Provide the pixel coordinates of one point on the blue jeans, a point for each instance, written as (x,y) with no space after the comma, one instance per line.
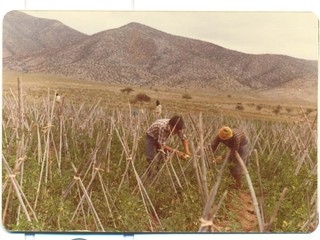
(152,146)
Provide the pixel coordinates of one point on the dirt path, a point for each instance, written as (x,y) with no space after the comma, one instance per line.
(241,216)
(247,217)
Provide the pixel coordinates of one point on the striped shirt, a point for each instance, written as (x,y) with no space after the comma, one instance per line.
(238,139)
(160,131)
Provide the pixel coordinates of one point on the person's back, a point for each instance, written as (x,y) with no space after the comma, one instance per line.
(159,129)
(58,98)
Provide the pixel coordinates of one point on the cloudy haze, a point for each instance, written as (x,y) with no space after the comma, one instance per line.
(294,34)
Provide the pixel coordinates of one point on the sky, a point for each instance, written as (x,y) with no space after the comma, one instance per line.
(289,33)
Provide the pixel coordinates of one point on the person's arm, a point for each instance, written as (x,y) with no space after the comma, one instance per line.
(170,149)
(186,146)
(215,144)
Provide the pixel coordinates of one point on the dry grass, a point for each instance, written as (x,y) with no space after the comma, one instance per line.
(254,106)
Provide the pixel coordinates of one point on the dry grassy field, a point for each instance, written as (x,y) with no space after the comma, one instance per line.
(80,165)
(253,105)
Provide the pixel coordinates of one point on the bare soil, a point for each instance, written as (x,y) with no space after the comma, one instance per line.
(241,214)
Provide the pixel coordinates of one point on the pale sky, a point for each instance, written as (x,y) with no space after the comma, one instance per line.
(290,33)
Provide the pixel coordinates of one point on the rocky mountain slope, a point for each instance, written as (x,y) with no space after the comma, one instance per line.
(24,35)
(139,55)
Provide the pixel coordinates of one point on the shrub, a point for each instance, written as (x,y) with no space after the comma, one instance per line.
(277,110)
(186,96)
(127,90)
(142,97)
(259,107)
(239,106)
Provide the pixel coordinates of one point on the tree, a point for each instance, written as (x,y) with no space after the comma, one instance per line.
(126,90)
(142,97)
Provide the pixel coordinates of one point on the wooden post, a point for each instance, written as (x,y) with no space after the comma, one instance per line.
(275,212)
(260,186)
(203,162)
(195,166)
(213,193)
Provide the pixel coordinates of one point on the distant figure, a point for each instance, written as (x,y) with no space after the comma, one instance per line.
(59,102)
(135,112)
(58,98)
(158,108)
(235,140)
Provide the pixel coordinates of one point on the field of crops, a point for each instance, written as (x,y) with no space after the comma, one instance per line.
(81,166)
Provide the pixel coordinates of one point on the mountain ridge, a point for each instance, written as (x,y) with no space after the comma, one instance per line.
(137,54)
(24,35)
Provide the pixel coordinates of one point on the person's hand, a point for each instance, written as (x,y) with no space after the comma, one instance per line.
(186,156)
(183,155)
(180,154)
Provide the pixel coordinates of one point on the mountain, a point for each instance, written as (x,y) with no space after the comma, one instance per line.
(24,35)
(140,55)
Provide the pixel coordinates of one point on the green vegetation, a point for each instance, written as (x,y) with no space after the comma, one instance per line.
(81,165)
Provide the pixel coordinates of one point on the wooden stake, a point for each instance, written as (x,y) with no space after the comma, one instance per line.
(213,194)
(260,186)
(275,212)
(253,195)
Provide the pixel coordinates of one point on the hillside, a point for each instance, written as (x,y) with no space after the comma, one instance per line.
(136,54)
(25,35)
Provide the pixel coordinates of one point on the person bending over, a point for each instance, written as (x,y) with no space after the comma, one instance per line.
(159,132)
(235,140)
